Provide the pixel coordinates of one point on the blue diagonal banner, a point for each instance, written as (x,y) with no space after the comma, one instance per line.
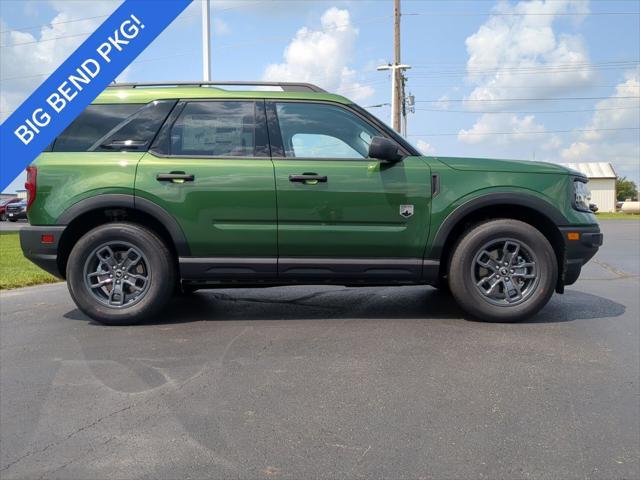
(80,79)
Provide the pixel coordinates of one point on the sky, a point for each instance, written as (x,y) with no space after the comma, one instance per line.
(554,80)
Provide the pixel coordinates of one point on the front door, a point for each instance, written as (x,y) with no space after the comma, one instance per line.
(210,169)
(341,213)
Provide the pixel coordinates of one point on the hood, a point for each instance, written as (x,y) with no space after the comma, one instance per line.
(495,165)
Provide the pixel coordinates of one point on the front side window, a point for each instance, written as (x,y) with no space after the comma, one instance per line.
(319,130)
(215,129)
(91,125)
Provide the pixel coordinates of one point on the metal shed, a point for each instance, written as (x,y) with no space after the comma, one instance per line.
(602,183)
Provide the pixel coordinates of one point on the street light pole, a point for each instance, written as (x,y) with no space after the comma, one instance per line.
(206,42)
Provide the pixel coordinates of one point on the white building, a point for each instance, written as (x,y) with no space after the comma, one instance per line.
(602,183)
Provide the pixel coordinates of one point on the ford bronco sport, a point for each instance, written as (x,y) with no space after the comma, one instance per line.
(158,189)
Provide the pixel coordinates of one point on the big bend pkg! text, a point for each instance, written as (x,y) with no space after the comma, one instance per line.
(83,75)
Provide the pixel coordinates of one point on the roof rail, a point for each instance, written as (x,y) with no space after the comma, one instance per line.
(286,86)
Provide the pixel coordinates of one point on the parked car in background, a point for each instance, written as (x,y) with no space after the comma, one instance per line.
(17,211)
(3,207)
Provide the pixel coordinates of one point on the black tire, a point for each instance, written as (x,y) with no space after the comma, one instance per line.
(154,274)
(13,220)
(3,218)
(500,297)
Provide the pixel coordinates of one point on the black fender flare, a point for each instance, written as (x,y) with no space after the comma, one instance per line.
(134,203)
(499,198)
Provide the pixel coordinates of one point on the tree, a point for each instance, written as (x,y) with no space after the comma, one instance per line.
(626,189)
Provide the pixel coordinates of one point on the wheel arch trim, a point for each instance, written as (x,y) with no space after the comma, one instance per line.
(134,203)
(496,198)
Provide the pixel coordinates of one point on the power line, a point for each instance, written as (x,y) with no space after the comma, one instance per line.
(521,72)
(219,47)
(510,87)
(35,27)
(547,99)
(524,133)
(539,67)
(521,112)
(515,14)
(508,112)
(223,46)
(20,29)
(135,62)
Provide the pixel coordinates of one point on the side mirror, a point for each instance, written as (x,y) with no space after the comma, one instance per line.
(384,149)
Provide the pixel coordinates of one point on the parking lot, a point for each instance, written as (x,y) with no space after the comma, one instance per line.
(328,382)
(13,226)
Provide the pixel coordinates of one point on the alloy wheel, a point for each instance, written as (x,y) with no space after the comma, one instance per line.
(505,272)
(117,274)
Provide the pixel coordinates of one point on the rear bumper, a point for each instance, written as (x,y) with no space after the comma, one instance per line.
(580,251)
(44,255)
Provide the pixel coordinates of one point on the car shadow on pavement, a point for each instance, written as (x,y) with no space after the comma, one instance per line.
(311,303)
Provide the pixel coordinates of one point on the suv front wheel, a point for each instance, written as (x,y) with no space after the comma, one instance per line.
(120,273)
(503,271)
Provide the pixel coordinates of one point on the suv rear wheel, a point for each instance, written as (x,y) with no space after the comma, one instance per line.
(503,271)
(120,273)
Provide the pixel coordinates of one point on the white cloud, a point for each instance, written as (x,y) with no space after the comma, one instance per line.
(577,152)
(522,56)
(515,128)
(25,66)
(442,103)
(617,111)
(220,27)
(425,148)
(523,53)
(620,147)
(322,57)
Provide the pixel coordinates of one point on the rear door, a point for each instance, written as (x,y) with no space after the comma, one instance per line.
(341,214)
(210,169)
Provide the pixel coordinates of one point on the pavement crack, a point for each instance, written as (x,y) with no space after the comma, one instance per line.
(67,437)
(610,268)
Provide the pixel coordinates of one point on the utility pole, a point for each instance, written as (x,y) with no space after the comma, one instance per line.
(397,77)
(397,73)
(206,42)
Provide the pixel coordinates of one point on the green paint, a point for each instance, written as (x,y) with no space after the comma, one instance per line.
(248,207)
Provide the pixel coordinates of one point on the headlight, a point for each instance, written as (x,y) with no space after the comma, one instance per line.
(581,195)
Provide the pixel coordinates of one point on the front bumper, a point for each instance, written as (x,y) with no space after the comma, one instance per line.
(44,255)
(16,215)
(578,250)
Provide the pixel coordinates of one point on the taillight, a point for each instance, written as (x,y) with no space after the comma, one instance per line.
(30,185)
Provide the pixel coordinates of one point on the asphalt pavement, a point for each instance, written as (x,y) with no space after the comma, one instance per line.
(13,226)
(328,382)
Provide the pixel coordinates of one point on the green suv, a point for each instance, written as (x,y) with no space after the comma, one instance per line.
(158,189)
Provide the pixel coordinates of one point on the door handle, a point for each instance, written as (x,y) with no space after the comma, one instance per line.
(175,177)
(309,178)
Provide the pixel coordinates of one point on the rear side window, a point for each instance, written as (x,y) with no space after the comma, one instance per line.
(216,129)
(136,132)
(92,124)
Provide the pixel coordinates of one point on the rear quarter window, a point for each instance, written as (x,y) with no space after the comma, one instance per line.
(91,125)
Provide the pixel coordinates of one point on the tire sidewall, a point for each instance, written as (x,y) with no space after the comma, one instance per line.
(463,284)
(160,266)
